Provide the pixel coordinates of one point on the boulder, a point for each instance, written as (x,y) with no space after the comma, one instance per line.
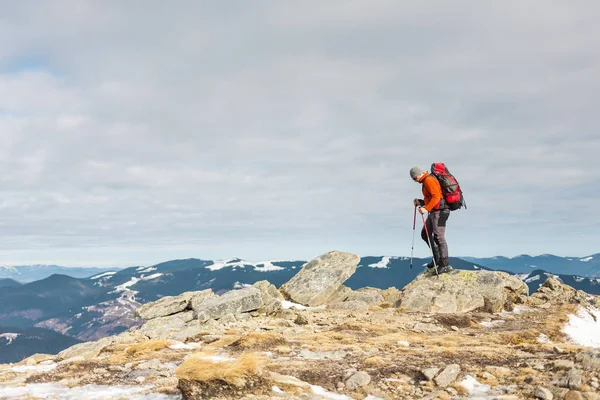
(319,280)
(271,297)
(88,350)
(462,291)
(233,302)
(371,296)
(166,327)
(170,305)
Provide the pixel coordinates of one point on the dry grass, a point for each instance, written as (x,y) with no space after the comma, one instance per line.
(124,353)
(235,372)
(375,362)
(386,305)
(376,329)
(259,341)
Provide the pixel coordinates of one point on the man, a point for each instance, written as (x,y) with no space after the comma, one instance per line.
(433,203)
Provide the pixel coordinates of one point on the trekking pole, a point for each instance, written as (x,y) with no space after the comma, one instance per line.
(413,242)
(429,241)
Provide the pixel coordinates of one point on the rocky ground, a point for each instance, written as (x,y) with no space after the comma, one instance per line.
(478,336)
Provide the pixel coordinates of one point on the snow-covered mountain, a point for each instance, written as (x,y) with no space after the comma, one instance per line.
(588,266)
(30,273)
(536,278)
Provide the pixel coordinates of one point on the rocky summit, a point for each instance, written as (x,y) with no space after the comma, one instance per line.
(462,335)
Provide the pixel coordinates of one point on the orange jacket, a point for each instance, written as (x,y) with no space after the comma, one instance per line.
(432,191)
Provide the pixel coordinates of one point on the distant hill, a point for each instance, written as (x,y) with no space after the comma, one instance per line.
(17,344)
(588,266)
(536,278)
(5,282)
(30,273)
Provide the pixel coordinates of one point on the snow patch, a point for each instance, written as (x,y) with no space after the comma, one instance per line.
(476,390)
(586,259)
(286,305)
(239,285)
(146,270)
(217,359)
(9,337)
(185,346)
(578,279)
(384,263)
(261,266)
(584,327)
(88,392)
(153,276)
(320,391)
(109,274)
(125,286)
(45,366)
(532,279)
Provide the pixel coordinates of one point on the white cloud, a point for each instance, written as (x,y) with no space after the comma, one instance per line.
(284,130)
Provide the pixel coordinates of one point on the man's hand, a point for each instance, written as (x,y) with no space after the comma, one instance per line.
(422,210)
(416,202)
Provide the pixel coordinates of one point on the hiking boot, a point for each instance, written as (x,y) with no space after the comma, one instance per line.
(430,265)
(443,270)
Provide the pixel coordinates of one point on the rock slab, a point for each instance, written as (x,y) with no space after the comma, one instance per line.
(461,291)
(321,278)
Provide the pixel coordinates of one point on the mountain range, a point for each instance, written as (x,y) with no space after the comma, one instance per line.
(103,304)
(588,266)
(30,273)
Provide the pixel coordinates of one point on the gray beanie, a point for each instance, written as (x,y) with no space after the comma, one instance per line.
(415,171)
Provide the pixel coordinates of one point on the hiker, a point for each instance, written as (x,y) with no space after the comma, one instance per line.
(434,204)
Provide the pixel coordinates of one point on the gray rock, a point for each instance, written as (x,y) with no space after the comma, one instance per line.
(557,350)
(349,305)
(199,298)
(271,297)
(461,291)
(165,327)
(371,296)
(89,350)
(572,380)
(448,375)
(318,280)
(208,339)
(232,302)
(322,355)
(589,360)
(543,394)
(152,364)
(357,380)
(422,327)
(430,373)
(169,305)
(563,365)
(301,320)
(574,395)
(189,331)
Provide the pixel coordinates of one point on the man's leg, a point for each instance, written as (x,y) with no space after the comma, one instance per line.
(430,222)
(439,236)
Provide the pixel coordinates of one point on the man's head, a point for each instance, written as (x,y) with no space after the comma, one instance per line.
(415,173)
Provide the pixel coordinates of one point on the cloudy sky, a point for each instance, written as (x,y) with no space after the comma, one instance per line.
(135,132)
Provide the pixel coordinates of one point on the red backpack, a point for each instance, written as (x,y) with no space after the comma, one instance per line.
(453,196)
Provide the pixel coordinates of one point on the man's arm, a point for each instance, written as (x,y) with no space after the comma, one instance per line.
(435,190)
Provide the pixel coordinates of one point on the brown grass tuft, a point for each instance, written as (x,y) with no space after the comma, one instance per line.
(375,362)
(259,341)
(143,349)
(236,372)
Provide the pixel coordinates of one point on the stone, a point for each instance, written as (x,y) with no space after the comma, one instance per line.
(430,373)
(573,395)
(349,305)
(572,380)
(321,278)
(165,327)
(232,302)
(543,394)
(448,375)
(589,360)
(271,297)
(370,296)
(38,358)
(462,291)
(557,350)
(301,320)
(89,350)
(562,365)
(358,380)
(424,327)
(200,297)
(170,305)
(285,380)
(189,331)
